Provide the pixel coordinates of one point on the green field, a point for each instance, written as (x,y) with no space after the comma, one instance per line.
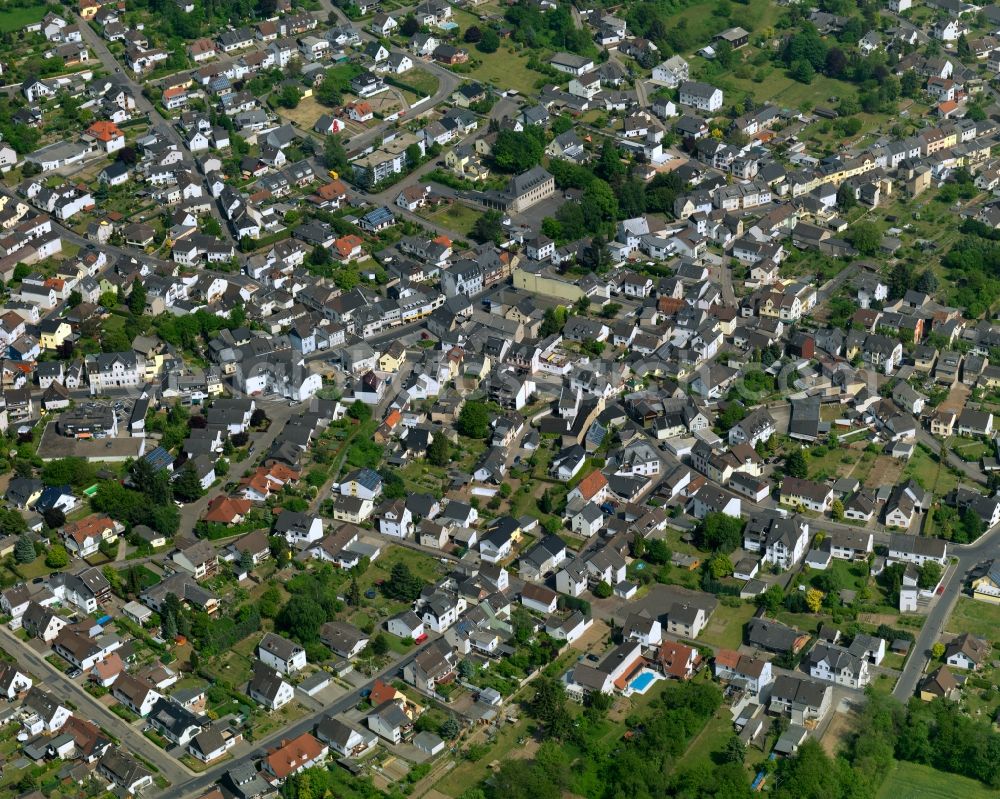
(914,781)
(13,19)
(978,618)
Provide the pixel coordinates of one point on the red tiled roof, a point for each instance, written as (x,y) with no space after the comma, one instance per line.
(591,484)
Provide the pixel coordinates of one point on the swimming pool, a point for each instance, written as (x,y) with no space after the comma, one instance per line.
(448,26)
(641,683)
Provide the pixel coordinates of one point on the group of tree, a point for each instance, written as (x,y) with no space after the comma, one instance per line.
(148,500)
(719,532)
(313,602)
(973,265)
(554,29)
(402,585)
(795,464)
(474,420)
(518,151)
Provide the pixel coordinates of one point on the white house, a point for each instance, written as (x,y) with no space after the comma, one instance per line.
(281,654)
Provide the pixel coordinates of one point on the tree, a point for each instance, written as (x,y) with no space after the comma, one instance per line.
(837,510)
(439,451)
(301,617)
(517,152)
(937,651)
(900,280)
(359,411)
(334,154)
(795,464)
(814,599)
(803,71)
(474,420)
(473,34)
(488,228)
(410,26)
(927,282)
(137,298)
(289,96)
(54,518)
(24,550)
(548,704)
(735,751)
(402,584)
(168,628)
(771,599)
(328,92)
(609,166)
(657,552)
(845,197)
(929,574)
(490,41)
(553,321)
(720,532)
(246,561)
(720,566)
(354,594)
(380,645)
(865,237)
(449,728)
(413,154)
(603,590)
(187,486)
(57,557)
(836,62)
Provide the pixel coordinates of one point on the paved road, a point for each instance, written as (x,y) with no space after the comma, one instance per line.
(986,548)
(123,76)
(196,786)
(88,707)
(834,283)
(970,470)
(279,412)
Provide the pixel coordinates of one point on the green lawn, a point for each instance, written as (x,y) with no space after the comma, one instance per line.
(970,450)
(914,781)
(421,80)
(725,628)
(456,217)
(13,19)
(978,618)
(835,462)
(505,69)
(467,774)
(931,475)
(711,739)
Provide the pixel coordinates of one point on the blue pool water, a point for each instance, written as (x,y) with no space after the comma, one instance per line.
(448,26)
(642,682)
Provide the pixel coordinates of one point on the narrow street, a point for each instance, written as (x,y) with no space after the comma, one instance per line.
(191,787)
(54,681)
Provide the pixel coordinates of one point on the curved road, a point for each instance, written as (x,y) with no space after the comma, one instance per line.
(968,556)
